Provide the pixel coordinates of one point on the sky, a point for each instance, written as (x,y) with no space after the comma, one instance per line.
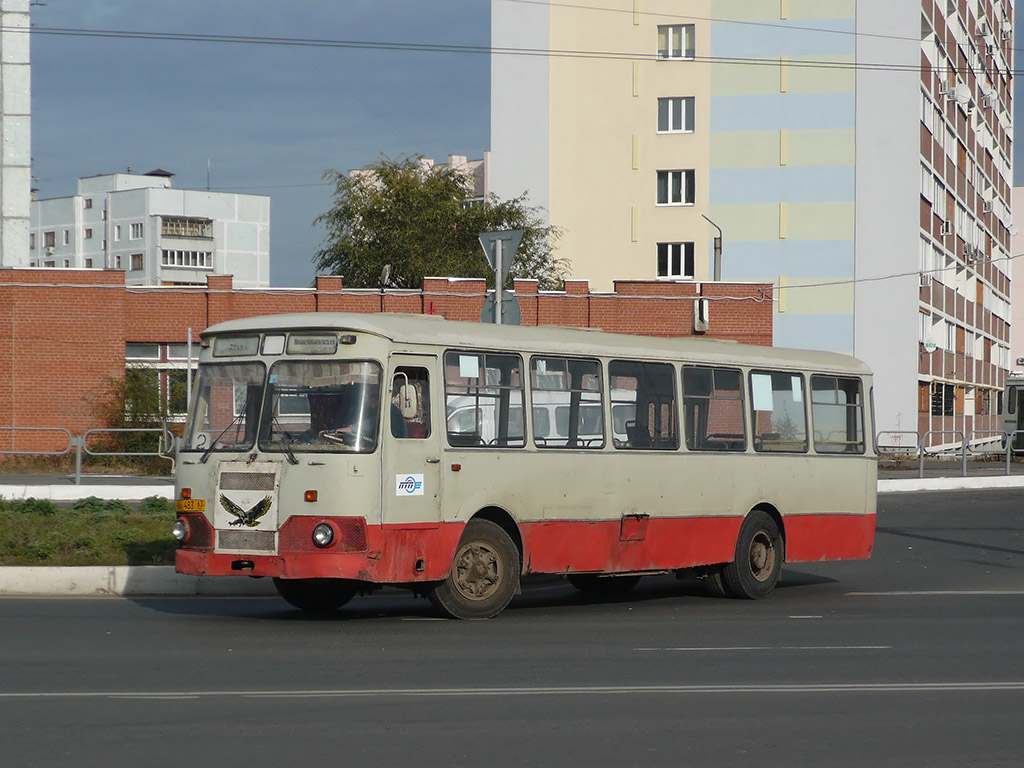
(268,119)
(265,119)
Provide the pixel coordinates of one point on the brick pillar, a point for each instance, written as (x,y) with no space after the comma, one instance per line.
(218,299)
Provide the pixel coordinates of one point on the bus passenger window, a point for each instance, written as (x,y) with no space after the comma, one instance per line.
(837,414)
(566,394)
(643,398)
(410,403)
(777,408)
(713,409)
(484,399)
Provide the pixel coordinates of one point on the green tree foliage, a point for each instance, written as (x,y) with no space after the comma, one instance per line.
(419,220)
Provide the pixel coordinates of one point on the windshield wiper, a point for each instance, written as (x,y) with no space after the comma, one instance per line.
(209,450)
(284,443)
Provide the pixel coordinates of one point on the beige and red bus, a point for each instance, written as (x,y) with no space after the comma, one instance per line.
(337,453)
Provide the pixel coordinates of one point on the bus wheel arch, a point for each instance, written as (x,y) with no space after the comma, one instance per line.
(760,552)
(484,573)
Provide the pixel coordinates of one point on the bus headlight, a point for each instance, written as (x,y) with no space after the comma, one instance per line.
(179,530)
(323,535)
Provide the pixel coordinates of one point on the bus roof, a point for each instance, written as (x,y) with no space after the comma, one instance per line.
(549,339)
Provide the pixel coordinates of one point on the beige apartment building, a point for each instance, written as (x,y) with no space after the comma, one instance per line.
(854,153)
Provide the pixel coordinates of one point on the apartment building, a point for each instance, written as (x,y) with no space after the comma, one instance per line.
(854,153)
(157,234)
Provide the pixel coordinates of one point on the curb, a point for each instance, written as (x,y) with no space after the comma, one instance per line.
(77,492)
(949,483)
(121,580)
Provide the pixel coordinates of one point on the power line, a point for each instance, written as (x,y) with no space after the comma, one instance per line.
(379,45)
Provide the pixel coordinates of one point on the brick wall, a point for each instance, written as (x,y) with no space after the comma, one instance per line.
(63,332)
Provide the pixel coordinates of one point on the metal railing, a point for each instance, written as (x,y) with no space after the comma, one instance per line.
(980,442)
(166,447)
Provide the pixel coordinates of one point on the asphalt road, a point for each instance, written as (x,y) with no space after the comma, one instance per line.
(911,659)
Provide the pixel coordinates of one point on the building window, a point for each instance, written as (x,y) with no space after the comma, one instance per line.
(137,231)
(88,202)
(88,233)
(88,263)
(136,261)
(117,261)
(67,263)
(49,239)
(943,399)
(178,226)
(49,264)
(675,260)
(675,114)
(675,187)
(200,259)
(67,237)
(675,41)
(32,242)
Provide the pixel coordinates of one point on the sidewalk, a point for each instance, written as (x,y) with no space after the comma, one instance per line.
(128,580)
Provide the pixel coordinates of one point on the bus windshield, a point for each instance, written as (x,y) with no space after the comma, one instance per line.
(226,407)
(326,405)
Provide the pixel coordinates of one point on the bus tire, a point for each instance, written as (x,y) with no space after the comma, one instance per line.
(603,586)
(316,595)
(759,554)
(484,574)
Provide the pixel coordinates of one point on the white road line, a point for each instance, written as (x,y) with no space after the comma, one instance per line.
(938,592)
(594,690)
(701,648)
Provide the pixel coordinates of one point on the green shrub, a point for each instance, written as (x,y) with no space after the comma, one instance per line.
(91,531)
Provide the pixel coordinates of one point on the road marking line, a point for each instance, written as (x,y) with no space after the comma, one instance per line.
(700,648)
(595,690)
(939,592)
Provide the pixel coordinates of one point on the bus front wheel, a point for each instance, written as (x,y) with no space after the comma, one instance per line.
(316,595)
(484,574)
(759,554)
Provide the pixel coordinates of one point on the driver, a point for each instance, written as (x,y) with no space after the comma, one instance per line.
(355,417)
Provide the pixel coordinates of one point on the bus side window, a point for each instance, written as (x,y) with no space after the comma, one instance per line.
(484,398)
(777,411)
(410,403)
(713,409)
(837,414)
(648,390)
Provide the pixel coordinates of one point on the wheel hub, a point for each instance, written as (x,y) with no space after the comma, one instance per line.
(477,571)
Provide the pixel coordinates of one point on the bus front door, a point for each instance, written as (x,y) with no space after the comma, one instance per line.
(412,444)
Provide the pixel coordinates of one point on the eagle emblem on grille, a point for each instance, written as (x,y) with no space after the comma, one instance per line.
(247,517)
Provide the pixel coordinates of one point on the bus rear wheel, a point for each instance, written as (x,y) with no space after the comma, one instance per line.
(759,553)
(603,586)
(484,574)
(316,595)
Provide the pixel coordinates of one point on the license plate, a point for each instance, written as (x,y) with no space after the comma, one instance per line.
(190,505)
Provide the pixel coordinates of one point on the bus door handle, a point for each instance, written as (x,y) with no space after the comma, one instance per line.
(433,461)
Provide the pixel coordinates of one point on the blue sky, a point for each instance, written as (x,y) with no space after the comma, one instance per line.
(269,119)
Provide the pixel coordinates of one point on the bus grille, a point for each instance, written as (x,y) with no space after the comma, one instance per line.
(246,541)
(247,481)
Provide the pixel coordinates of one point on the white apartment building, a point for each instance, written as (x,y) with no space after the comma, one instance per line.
(855,153)
(15,132)
(157,234)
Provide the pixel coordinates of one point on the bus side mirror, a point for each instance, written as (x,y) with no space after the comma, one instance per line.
(407,401)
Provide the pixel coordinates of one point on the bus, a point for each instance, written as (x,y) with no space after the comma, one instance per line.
(1011,408)
(340,453)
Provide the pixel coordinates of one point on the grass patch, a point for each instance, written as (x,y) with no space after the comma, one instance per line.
(91,531)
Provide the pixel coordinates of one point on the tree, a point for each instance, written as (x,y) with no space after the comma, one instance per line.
(421,221)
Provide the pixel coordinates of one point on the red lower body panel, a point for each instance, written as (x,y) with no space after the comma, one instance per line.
(405,554)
